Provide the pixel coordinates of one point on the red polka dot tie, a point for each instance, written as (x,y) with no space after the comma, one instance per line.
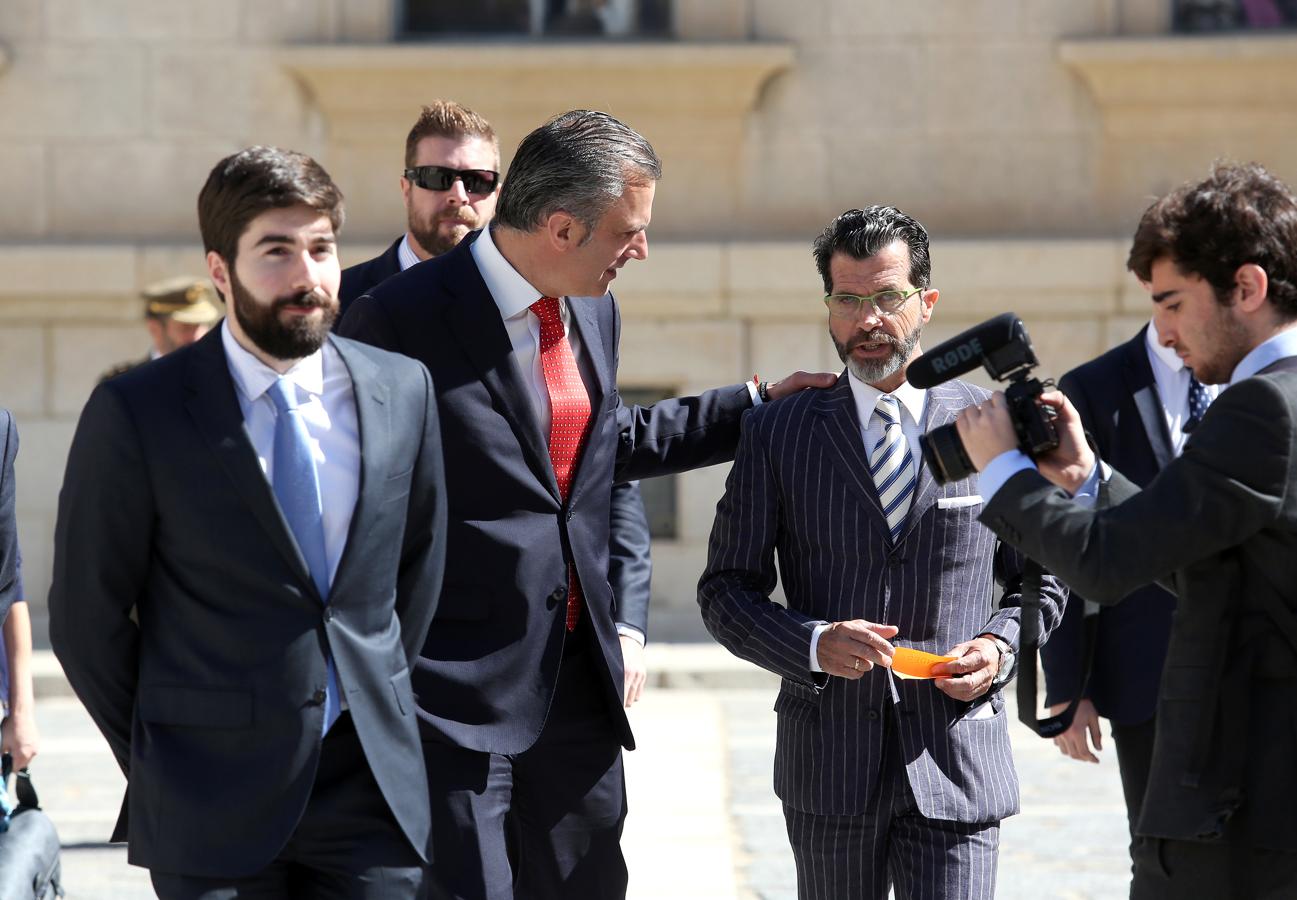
(569,416)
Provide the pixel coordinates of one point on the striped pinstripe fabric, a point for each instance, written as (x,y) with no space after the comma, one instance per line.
(891,466)
(800,490)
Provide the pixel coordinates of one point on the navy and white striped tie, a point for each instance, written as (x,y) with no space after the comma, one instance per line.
(891,466)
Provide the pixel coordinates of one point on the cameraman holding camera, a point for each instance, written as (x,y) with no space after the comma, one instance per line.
(883,781)
(1218,525)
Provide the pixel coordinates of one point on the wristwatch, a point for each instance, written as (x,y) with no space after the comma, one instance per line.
(1007,657)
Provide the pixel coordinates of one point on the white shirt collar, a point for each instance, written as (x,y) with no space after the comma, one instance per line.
(253,378)
(405,254)
(512,293)
(1163,354)
(867,395)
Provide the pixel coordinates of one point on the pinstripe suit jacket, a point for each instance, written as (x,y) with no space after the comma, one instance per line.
(800,488)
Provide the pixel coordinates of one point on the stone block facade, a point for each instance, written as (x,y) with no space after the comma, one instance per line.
(1027,136)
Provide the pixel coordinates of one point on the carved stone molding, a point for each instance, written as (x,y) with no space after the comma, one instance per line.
(690,99)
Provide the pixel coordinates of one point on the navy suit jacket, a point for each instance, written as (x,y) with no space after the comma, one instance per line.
(1117,398)
(1219,524)
(189,625)
(360,278)
(488,669)
(630,564)
(800,490)
(11,582)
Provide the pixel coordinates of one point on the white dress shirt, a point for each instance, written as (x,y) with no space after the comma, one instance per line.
(514,295)
(866,396)
(1172,380)
(328,407)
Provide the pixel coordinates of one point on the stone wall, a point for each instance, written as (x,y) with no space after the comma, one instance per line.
(1026,135)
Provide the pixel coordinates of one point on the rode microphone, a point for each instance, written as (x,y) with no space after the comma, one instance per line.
(1001,345)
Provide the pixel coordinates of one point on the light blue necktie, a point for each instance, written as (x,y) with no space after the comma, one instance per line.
(891,466)
(297,488)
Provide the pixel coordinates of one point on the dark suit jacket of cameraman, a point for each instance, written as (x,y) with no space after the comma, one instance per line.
(1220,524)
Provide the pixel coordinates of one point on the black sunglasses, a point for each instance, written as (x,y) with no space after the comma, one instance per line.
(440,178)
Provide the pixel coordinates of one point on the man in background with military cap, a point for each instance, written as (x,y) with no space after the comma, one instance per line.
(177,312)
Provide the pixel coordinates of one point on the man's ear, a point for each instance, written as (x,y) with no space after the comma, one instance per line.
(1254,286)
(406,187)
(220,274)
(564,231)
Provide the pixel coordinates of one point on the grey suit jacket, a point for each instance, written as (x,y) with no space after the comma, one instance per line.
(800,489)
(1219,525)
(213,702)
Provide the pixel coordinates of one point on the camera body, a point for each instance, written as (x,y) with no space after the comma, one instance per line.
(1003,347)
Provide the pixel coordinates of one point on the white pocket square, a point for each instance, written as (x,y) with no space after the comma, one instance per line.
(958,502)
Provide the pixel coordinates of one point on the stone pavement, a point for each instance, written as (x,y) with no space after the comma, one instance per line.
(704,823)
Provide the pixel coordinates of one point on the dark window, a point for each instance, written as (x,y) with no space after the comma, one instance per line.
(659,493)
(556,18)
(1199,16)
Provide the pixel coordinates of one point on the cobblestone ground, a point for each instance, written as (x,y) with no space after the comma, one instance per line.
(704,823)
(1068,843)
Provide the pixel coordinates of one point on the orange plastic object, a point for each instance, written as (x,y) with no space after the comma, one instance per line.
(910,663)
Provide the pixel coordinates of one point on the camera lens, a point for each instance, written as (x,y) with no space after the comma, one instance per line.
(943,451)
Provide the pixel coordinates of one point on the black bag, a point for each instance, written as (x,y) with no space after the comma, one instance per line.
(29,850)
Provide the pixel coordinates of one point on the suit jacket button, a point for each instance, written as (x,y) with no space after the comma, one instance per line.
(872,714)
(328,614)
(319,697)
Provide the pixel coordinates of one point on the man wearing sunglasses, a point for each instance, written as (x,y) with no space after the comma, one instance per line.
(884,782)
(450,187)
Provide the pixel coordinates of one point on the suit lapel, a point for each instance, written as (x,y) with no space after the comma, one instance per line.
(839,427)
(940,408)
(475,320)
(374,421)
(1143,389)
(584,320)
(211,401)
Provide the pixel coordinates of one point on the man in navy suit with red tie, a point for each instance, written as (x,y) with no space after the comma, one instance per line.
(520,678)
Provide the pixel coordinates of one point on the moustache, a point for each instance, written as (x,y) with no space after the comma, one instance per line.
(459,218)
(309,299)
(873,337)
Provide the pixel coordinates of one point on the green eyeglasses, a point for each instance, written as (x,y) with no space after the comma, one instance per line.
(885,303)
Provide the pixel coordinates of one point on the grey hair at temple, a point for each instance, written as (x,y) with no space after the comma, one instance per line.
(580,163)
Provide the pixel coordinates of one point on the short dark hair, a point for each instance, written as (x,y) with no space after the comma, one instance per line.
(448,119)
(580,162)
(1239,214)
(861,233)
(246,184)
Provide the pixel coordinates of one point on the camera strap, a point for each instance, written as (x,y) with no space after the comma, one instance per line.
(1029,650)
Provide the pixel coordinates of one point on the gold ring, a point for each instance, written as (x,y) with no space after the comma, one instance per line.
(856,664)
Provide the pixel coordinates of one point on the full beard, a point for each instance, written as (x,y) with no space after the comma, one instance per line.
(434,240)
(299,337)
(872,371)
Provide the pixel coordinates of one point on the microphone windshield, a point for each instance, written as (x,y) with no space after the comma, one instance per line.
(965,352)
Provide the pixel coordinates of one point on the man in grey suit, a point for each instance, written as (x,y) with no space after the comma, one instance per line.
(249,549)
(885,783)
(1218,525)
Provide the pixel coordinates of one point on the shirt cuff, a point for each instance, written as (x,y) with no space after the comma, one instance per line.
(631,632)
(754,393)
(1000,470)
(1088,493)
(815,642)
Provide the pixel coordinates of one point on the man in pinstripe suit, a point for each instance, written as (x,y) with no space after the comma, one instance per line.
(885,783)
